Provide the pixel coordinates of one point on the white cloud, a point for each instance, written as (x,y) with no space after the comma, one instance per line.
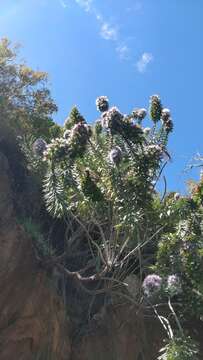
(63,4)
(144,61)
(108,32)
(123,52)
(85,4)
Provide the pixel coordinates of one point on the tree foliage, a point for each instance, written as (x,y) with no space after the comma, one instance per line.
(25,101)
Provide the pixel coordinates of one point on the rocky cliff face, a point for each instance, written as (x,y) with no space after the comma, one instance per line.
(119,334)
(32,316)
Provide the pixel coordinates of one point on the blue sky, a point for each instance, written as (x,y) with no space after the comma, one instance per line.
(125,49)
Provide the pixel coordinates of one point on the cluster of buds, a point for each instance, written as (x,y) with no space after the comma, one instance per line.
(173,285)
(165,115)
(152,285)
(155,108)
(81,130)
(112,119)
(166,119)
(39,147)
(115,155)
(168,126)
(139,114)
(72,141)
(78,138)
(57,149)
(102,103)
(154,150)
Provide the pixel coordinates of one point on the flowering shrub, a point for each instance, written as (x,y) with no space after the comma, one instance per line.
(85,155)
(103,178)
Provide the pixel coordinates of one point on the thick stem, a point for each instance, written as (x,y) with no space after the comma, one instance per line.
(175,317)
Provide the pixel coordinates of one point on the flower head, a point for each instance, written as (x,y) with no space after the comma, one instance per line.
(39,146)
(112,118)
(81,129)
(102,103)
(115,155)
(139,113)
(152,284)
(168,125)
(56,150)
(165,114)
(155,108)
(173,285)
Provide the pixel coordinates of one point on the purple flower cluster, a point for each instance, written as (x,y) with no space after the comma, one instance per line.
(165,114)
(139,113)
(55,149)
(39,146)
(112,118)
(81,129)
(152,285)
(173,285)
(102,103)
(115,155)
(66,145)
(166,119)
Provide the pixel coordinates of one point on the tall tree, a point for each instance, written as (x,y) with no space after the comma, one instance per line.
(74,118)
